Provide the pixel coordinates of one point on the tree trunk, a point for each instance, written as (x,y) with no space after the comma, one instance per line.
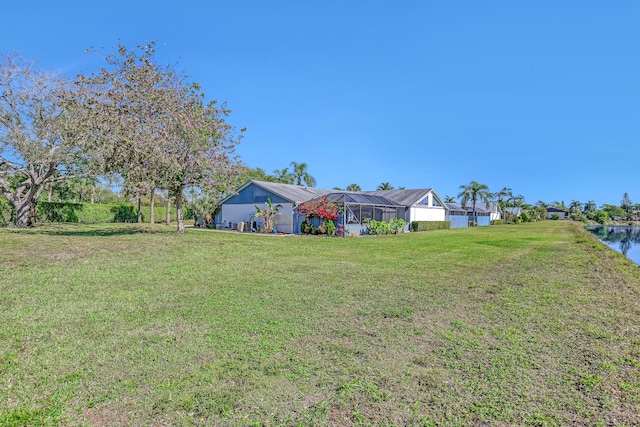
(24,215)
(26,208)
(179,212)
(475,217)
(168,214)
(139,209)
(93,195)
(50,191)
(152,218)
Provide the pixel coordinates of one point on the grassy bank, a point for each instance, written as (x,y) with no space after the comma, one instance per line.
(536,324)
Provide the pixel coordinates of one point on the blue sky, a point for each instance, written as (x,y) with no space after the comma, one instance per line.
(542,97)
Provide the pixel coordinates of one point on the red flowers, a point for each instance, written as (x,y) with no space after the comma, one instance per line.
(321,208)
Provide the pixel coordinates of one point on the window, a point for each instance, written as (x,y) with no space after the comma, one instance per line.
(424,202)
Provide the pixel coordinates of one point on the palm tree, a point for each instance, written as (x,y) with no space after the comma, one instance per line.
(449,199)
(474,192)
(575,207)
(354,187)
(300,174)
(385,186)
(503,198)
(590,206)
(283,176)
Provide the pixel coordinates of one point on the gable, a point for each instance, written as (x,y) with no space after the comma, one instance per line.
(253,194)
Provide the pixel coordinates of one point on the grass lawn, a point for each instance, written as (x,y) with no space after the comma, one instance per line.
(536,324)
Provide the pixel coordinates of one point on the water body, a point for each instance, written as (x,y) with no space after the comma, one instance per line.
(622,238)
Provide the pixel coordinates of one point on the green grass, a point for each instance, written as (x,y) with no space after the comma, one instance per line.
(535,324)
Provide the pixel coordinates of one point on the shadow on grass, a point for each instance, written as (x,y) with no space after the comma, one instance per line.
(89,231)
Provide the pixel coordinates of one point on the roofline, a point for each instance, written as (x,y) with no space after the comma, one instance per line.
(259,184)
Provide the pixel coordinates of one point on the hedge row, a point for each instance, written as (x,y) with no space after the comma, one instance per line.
(430,225)
(90,213)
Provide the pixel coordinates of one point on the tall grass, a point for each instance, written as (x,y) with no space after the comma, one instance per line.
(536,324)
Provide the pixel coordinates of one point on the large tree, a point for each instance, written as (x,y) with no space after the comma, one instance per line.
(474,192)
(157,130)
(40,140)
(353,187)
(385,186)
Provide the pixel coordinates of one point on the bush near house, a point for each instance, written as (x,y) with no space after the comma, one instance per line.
(430,225)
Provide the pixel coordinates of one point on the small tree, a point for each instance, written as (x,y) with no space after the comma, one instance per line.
(268,215)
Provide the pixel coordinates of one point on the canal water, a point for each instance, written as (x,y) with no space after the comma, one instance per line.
(622,238)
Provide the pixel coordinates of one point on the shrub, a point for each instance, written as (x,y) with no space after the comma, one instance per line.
(321,208)
(378,227)
(555,216)
(89,213)
(579,217)
(124,213)
(602,217)
(58,211)
(305,227)
(497,222)
(430,225)
(7,213)
(331,228)
(397,225)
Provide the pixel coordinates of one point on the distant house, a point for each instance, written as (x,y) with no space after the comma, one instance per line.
(423,204)
(555,211)
(356,206)
(482,214)
(494,209)
(457,215)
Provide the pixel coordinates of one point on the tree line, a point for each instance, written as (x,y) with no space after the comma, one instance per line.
(132,120)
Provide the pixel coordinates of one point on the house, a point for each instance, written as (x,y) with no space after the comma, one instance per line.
(556,211)
(457,215)
(423,204)
(494,209)
(241,207)
(461,216)
(356,206)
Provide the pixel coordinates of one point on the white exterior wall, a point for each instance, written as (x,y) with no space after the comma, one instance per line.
(425,213)
(243,213)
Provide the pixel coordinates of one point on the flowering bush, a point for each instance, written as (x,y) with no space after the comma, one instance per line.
(321,208)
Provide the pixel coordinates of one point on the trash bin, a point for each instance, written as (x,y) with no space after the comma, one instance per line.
(240,226)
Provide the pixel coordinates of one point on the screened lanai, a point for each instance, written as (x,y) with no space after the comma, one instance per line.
(355,208)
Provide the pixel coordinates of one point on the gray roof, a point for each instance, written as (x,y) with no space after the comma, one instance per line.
(359,198)
(480,207)
(455,207)
(299,193)
(402,197)
(294,193)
